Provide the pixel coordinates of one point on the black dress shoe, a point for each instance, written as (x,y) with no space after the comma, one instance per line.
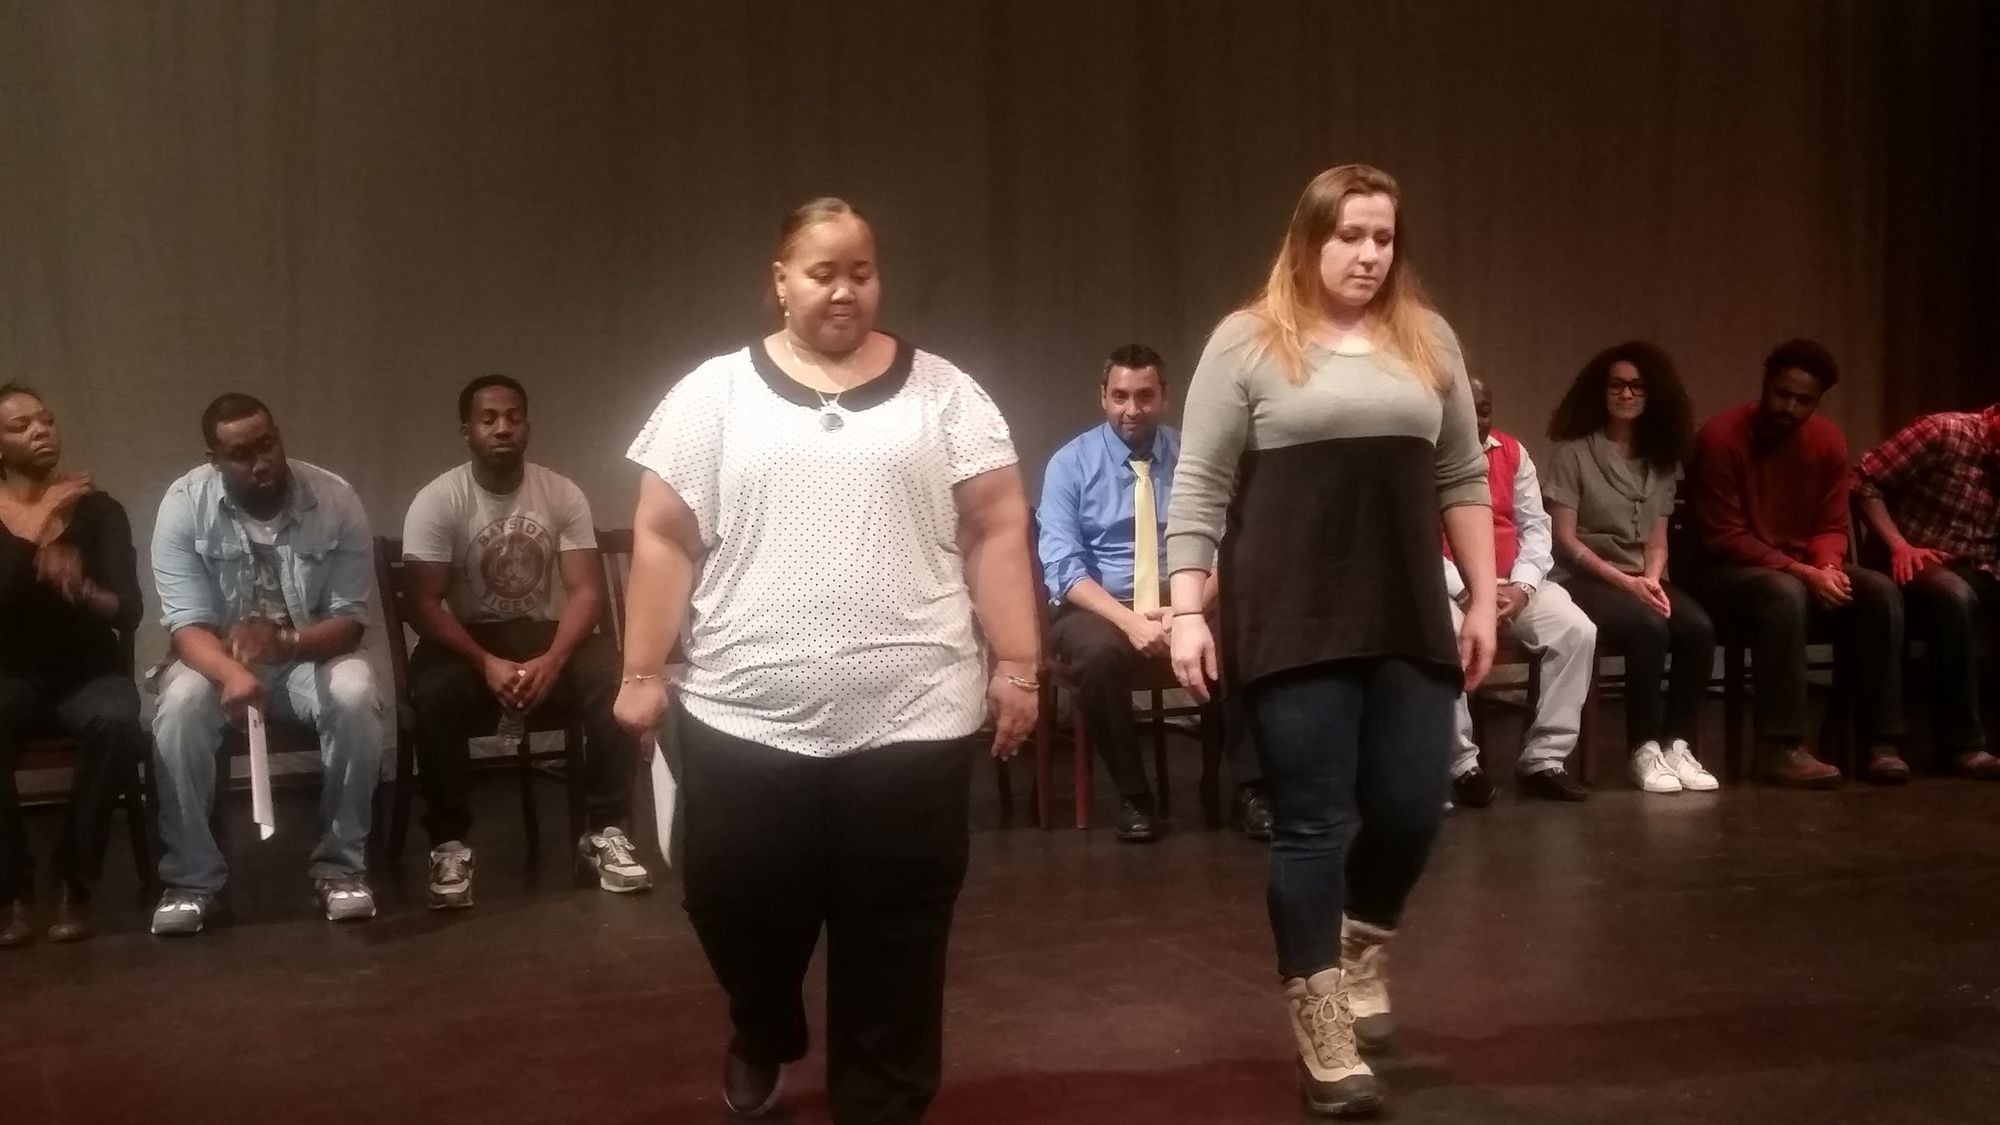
(751,1089)
(1253,812)
(1473,788)
(1553,785)
(1135,823)
(70,918)
(14,927)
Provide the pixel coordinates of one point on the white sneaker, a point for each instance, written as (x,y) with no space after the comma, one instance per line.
(451,876)
(610,854)
(1650,772)
(1687,770)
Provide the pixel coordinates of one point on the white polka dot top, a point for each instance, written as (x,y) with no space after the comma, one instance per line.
(830,613)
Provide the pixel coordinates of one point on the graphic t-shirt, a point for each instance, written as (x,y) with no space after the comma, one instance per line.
(265,595)
(503,550)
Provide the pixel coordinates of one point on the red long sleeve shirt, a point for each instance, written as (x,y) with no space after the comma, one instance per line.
(1760,502)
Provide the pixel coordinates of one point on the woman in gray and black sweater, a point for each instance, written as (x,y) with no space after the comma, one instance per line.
(1330,428)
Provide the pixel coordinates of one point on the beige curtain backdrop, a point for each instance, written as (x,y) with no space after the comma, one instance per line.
(350,208)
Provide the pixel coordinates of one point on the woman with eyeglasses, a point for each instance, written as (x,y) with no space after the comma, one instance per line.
(1621,433)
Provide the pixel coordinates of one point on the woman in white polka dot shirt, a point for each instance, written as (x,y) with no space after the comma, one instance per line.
(823,515)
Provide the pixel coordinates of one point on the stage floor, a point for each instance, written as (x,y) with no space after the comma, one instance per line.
(1753,956)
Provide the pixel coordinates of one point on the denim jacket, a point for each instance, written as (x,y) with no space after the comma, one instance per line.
(201,551)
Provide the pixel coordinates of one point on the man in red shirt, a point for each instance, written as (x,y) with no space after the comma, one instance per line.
(1932,493)
(1769,489)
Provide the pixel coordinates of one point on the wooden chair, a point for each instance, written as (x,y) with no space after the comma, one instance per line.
(1511,653)
(60,752)
(564,765)
(1156,678)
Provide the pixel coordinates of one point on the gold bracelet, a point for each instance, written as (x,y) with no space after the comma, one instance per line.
(641,678)
(1024,683)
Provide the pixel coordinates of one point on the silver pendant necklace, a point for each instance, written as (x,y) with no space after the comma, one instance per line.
(830,417)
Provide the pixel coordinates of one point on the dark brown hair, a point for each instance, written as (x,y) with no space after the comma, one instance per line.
(1665,429)
(811,213)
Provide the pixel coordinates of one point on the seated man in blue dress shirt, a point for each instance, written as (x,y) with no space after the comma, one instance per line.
(1102,568)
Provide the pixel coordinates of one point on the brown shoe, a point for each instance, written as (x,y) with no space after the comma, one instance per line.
(70,918)
(1886,767)
(14,928)
(1979,765)
(1797,768)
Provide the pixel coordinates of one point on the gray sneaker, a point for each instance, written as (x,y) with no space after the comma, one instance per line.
(451,876)
(345,899)
(612,856)
(182,912)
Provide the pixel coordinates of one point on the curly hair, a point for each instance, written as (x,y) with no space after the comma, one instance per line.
(1663,433)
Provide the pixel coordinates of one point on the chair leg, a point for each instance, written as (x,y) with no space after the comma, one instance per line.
(573,775)
(1005,783)
(530,822)
(1080,765)
(400,795)
(1213,739)
(1045,736)
(1160,756)
(1586,726)
(139,826)
(1734,677)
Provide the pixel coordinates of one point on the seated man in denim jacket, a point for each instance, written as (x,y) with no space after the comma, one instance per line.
(264,567)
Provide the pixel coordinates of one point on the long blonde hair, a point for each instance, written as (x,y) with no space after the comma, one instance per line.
(1291,302)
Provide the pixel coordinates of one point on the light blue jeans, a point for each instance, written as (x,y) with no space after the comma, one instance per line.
(337,698)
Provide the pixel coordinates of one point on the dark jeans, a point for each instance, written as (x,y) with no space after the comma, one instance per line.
(1950,608)
(872,847)
(1105,664)
(1776,613)
(1354,751)
(1637,632)
(103,715)
(454,704)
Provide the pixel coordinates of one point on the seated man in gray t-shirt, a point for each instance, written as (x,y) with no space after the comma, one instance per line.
(483,546)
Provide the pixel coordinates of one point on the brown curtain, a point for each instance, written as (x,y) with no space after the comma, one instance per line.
(352,207)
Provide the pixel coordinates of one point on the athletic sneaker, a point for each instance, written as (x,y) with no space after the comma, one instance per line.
(1687,770)
(751,1089)
(1650,772)
(615,860)
(451,876)
(181,912)
(345,898)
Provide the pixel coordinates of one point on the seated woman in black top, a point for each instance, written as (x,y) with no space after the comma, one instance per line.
(69,582)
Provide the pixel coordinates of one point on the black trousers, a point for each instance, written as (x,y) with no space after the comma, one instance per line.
(872,848)
(454,704)
(1638,633)
(1951,608)
(1105,664)
(103,715)
(1776,612)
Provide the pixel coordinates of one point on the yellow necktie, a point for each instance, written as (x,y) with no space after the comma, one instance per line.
(1145,540)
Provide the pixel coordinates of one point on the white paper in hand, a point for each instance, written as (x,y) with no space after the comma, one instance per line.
(665,792)
(260,777)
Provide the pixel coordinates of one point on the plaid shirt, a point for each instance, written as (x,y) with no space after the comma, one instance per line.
(1940,477)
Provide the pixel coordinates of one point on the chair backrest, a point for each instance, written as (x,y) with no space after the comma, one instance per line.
(614,546)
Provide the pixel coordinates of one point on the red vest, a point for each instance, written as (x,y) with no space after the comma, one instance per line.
(1503,461)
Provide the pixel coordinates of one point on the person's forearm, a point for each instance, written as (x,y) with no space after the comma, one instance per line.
(1882,523)
(1590,561)
(1656,561)
(1088,595)
(198,647)
(656,601)
(579,617)
(434,623)
(1189,590)
(1003,590)
(327,638)
(1469,530)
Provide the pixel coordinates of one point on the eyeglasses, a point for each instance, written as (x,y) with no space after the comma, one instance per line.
(1623,389)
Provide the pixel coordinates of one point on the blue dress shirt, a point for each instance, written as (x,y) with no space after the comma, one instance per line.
(1085,517)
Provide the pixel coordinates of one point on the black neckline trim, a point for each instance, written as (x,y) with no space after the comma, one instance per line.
(874,392)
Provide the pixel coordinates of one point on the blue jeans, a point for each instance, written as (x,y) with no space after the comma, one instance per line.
(338,698)
(1355,761)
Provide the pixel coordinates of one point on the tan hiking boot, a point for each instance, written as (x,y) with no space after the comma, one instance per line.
(1364,961)
(1332,1078)
(1795,767)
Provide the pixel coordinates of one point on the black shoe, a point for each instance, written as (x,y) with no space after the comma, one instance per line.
(1253,812)
(1135,824)
(1473,788)
(1553,785)
(751,1089)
